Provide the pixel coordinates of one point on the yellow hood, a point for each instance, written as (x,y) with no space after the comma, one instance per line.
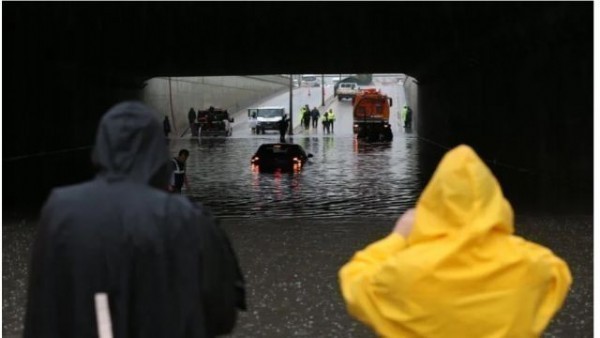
(462,198)
(461,272)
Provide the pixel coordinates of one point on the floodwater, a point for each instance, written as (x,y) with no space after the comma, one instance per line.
(344,177)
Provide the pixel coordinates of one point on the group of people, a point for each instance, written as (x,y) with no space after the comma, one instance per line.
(120,254)
(307,115)
(191,120)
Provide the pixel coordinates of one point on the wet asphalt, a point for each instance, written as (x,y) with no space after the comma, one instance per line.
(291,264)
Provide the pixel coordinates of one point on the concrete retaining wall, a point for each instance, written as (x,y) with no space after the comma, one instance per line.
(411,93)
(174,96)
(529,115)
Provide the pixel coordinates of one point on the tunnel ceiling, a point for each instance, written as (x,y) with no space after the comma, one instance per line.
(141,40)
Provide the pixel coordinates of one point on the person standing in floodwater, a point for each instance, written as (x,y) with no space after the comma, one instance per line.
(192,122)
(315,114)
(166,126)
(331,118)
(179,176)
(283,127)
(305,116)
(326,122)
(406,115)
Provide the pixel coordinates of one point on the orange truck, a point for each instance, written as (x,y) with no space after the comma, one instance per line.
(372,115)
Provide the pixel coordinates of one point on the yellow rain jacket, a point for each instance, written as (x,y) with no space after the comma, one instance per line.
(461,272)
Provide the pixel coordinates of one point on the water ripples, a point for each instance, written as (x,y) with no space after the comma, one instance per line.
(344,178)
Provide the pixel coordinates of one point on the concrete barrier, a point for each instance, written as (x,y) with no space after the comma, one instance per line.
(411,93)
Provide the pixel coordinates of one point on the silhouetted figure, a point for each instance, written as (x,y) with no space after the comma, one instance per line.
(253,121)
(315,114)
(305,117)
(166,126)
(326,122)
(178,176)
(283,127)
(407,116)
(158,263)
(192,122)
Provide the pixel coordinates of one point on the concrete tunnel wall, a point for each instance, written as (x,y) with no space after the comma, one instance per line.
(529,115)
(411,94)
(228,92)
(54,135)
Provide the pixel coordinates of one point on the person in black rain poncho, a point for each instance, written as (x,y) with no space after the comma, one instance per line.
(164,264)
(166,126)
(283,128)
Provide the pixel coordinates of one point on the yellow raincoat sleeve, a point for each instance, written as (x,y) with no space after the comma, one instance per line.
(357,275)
(560,282)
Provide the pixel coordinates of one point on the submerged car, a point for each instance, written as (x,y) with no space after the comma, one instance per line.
(279,156)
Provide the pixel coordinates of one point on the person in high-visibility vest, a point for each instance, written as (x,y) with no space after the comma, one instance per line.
(406,116)
(178,176)
(305,117)
(326,122)
(331,117)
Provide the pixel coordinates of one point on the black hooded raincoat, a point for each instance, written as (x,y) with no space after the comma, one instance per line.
(167,268)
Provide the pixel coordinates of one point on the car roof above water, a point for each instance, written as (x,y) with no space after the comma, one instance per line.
(278,147)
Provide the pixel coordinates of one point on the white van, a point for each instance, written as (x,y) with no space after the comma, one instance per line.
(346,90)
(265,118)
(309,80)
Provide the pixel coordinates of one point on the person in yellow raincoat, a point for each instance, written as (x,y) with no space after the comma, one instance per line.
(453,267)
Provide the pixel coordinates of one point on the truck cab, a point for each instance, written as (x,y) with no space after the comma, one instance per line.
(346,90)
(265,118)
(214,122)
(371,115)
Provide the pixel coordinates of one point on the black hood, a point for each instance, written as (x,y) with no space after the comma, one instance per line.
(130,144)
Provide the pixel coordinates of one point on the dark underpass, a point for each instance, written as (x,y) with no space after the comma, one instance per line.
(513,80)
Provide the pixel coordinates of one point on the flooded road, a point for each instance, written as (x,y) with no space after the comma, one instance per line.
(343,178)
